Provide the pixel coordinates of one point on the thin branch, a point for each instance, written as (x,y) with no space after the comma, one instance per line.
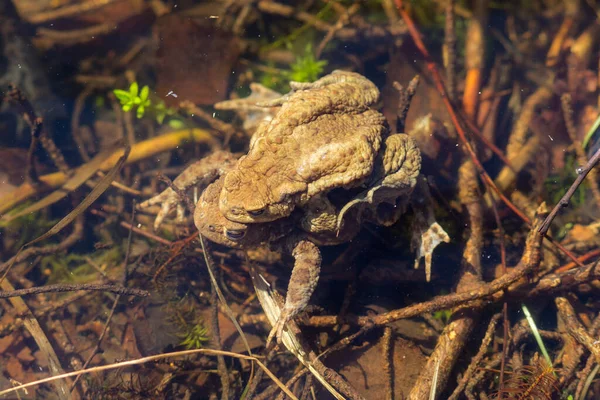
(564,201)
(72,287)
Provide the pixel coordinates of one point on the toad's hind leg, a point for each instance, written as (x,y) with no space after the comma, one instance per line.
(303,282)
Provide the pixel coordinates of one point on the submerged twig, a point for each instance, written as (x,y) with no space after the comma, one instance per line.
(388,363)
(564,201)
(485,343)
(72,287)
(567,108)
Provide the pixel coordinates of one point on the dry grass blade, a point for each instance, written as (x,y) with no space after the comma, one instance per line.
(144,360)
(81,176)
(139,151)
(289,340)
(537,381)
(87,201)
(33,327)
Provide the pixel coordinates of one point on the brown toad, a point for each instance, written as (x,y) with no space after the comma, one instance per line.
(400,164)
(325,136)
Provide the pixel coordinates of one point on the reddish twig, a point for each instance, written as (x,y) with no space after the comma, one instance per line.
(456,121)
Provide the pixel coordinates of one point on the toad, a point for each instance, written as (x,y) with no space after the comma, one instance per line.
(324,136)
(289,234)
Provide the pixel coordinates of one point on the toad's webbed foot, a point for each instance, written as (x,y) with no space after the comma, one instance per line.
(303,282)
(203,171)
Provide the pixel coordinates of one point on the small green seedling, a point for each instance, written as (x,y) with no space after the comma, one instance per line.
(139,100)
(134,98)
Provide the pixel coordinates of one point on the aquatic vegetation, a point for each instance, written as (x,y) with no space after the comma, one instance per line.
(536,334)
(139,101)
(183,314)
(28,226)
(306,67)
(195,337)
(556,185)
(442,315)
(535,381)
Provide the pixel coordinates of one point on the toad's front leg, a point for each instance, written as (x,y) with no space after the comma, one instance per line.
(303,282)
(204,171)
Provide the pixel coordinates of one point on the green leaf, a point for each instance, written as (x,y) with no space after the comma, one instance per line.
(122,95)
(160,106)
(134,89)
(144,93)
(127,107)
(140,111)
(176,124)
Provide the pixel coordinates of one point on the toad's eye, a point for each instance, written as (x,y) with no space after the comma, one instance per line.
(256,213)
(212,228)
(235,234)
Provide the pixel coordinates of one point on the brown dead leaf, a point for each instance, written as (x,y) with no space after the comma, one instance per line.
(193,61)
(25,356)
(363,367)
(5,343)
(14,368)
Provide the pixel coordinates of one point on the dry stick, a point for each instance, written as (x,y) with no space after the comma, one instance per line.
(37,127)
(582,259)
(292,381)
(405,96)
(75,127)
(214,325)
(505,321)
(41,312)
(388,362)
(449,49)
(585,372)
(455,335)
(528,263)
(342,20)
(567,108)
(68,287)
(576,328)
(474,59)
(68,11)
(489,335)
(115,302)
(31,175)
(564,201)
(345,33)
(147,359)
